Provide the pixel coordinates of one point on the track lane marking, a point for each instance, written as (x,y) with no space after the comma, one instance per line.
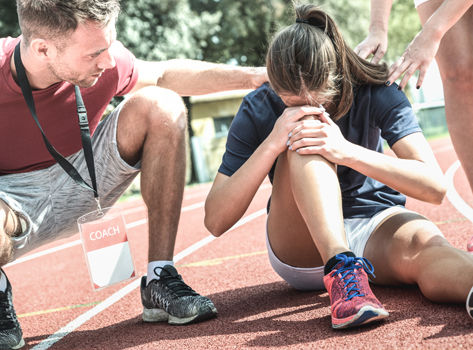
(130,225)
(79,321)
(452,194)
(48,311)
(218,261)
(209,262)
(78,241)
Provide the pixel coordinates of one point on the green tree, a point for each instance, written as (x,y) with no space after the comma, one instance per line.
(8,19)
(404,24)
(164,29)
(241,35)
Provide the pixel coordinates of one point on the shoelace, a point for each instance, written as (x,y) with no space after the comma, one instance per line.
(175,283)
(347,271)
(7,318)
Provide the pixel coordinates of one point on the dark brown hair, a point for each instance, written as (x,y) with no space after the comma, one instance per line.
(311,55)
(50,19)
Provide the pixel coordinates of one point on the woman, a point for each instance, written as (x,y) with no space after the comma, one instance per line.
(336,209)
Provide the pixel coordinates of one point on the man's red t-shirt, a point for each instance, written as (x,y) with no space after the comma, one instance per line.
(22,147)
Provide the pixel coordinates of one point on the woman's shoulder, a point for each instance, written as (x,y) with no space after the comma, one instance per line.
(265,97)
(263,103)
(380,92)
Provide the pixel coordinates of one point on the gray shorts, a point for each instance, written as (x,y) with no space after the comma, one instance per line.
(48,202)
(357,230)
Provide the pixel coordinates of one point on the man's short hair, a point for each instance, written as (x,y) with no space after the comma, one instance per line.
(50,19)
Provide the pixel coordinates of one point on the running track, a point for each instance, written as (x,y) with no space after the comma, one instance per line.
(58,309)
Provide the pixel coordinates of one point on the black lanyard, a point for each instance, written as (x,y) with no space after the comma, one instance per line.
(83,124)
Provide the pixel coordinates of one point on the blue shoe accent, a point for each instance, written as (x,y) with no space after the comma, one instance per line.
(347,271)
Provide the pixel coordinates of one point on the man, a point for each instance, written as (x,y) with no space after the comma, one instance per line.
(72,42)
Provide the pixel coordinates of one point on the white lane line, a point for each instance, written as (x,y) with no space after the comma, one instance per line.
(78,242)
(44,252)
(446,148)
(128,225)
(64,246)
(453,196)
(79,321)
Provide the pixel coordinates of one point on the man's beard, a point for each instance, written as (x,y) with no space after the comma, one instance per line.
(72,78)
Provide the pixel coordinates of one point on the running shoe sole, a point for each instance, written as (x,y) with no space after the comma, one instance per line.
(367,314)
(19,345)
(469,303)
(159,315)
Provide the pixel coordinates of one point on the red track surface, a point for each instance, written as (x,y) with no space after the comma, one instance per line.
(256,308)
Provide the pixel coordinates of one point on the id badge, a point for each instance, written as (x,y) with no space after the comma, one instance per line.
(106,248)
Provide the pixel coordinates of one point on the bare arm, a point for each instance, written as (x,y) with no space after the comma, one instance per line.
(376,42)
(423,48)
(191,77)
(415,172)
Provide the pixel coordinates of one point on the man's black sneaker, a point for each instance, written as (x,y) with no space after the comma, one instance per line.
(170,299)
(11,335)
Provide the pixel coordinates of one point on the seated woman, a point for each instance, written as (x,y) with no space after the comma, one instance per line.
(336,207)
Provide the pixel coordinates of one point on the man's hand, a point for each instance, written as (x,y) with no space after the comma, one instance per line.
(259,77)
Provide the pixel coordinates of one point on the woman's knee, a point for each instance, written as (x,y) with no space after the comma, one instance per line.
(314,160)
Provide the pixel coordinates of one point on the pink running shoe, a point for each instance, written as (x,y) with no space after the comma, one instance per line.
(351,299)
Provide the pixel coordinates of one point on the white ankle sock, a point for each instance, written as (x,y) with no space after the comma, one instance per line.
(152,265)
(3,282)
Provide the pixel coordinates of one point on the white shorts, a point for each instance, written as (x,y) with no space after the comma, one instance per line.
(358,231)
(418,2)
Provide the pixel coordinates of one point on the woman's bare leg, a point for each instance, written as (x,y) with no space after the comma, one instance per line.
(305,223)
(408,248)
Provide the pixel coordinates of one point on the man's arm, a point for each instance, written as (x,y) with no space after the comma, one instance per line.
(191,77)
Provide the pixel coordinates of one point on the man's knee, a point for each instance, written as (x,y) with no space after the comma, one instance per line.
(9,226)
(6,248)
(9,221)
(163,109)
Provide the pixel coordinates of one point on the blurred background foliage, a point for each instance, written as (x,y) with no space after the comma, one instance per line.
(229,31)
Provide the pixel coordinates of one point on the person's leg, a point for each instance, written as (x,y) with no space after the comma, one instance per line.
(11,335)
(9,226)
(152,128)
(306,229)
(407,248)
(455,61)
(300,191)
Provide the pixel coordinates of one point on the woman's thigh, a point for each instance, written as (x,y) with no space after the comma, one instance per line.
(396,243)
(288,234)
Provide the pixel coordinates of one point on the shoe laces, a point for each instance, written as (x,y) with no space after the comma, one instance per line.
(174,282)
(7,314)
(348,275)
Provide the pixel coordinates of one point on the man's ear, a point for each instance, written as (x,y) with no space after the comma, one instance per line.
(43,49)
